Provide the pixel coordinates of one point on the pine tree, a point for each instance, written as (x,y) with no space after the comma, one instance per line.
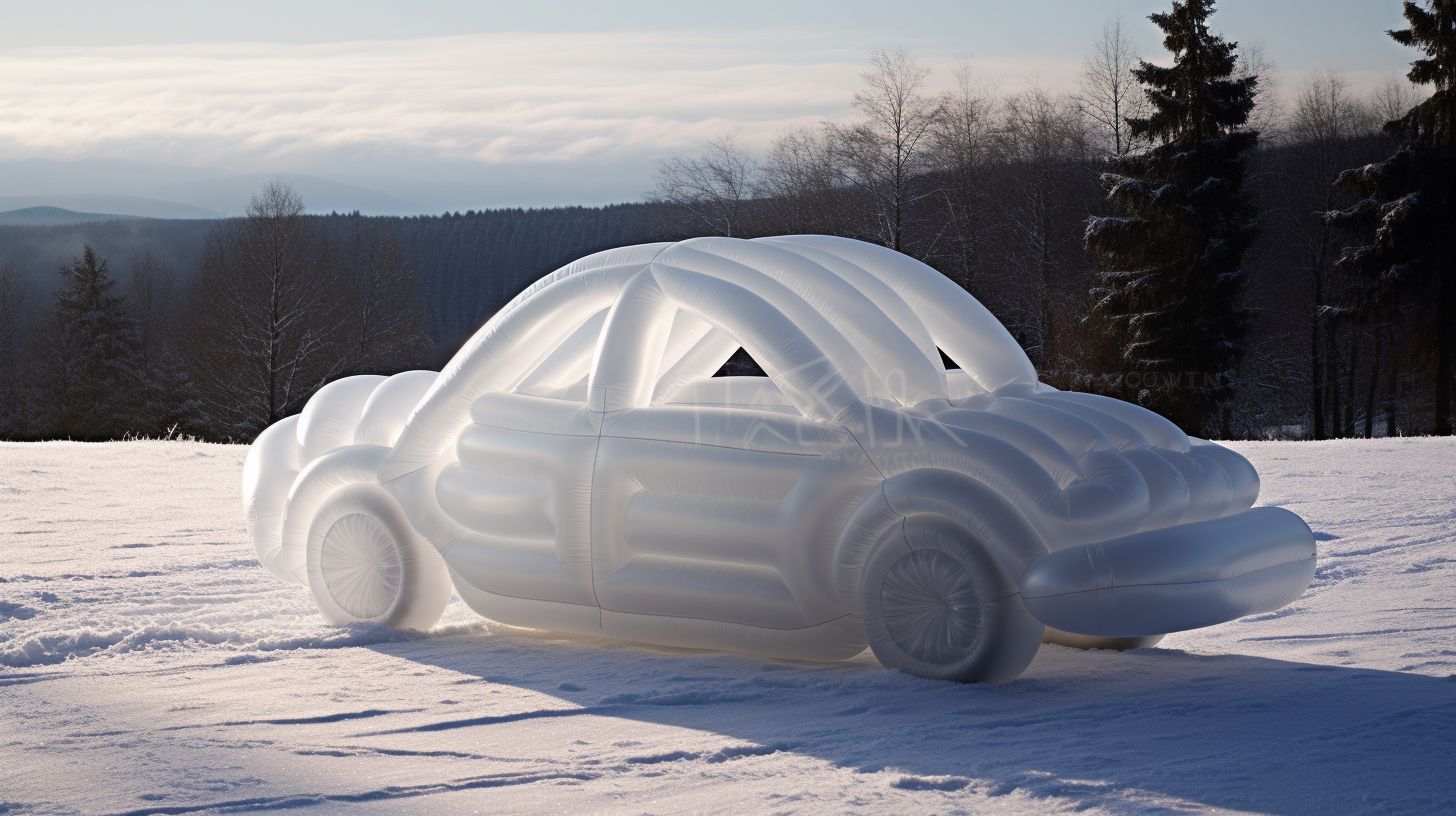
(1169,263)
(1407,212)
(91,376)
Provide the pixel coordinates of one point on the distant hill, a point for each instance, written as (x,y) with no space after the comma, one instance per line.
(113,205)
(229,195)
(52,216)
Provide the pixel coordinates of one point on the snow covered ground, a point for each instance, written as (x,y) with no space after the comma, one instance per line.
(149,665)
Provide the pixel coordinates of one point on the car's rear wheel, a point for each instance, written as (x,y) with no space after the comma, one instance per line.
(935,604)
(367,564)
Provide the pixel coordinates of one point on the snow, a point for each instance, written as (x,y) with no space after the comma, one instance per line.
(149,665)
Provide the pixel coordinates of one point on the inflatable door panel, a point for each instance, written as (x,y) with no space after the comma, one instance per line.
(693,525)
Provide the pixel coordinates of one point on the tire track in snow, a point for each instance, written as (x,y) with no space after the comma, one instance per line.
(391,792)
(609,708)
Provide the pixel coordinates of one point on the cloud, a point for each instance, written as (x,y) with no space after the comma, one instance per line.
(488,98)
(503,119)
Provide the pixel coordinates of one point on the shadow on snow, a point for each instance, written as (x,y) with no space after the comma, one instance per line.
(1230,731)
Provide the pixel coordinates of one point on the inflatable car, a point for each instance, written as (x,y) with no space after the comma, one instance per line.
(578,467)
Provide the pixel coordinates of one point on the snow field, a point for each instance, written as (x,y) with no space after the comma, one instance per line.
(149,665)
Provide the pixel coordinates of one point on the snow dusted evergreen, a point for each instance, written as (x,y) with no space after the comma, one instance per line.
(1406,218)
(92,342)
(1169,263)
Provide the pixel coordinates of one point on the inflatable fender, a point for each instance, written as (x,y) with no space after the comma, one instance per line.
(337,468)
(268,474)
(330,417)
(389,406)
(998,528)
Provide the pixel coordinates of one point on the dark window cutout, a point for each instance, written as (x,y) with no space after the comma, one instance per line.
(741,364)
(946,360)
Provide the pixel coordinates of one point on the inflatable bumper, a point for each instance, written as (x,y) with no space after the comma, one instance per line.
(1174,579)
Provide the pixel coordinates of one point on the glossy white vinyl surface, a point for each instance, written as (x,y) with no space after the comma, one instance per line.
(578,467)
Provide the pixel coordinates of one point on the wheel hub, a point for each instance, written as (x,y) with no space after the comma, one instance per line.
(361,567)
(930,606)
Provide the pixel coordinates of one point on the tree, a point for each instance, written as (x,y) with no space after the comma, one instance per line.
(266,318)
(1169,262)
(167,399)
(15,325)
(1108,92)
(962,147)
(1044,146)
(713,188)
(1407,206)
(1267,116)
(1325,121)
(1393,98)
(804,186)
(89,376)
(885,155)
(385,324)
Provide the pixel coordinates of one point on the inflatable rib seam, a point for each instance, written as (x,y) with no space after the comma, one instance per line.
(715,445)
(732,623)
(591,540)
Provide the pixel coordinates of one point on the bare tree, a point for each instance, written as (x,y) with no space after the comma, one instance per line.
(266,321)
(713,187)
(1393,98)
(1267,115)
(1045,186)
(1108,93)
(385,325)
(962,146)
(803,184)
(884,155)
(1325,111)
(1324,126)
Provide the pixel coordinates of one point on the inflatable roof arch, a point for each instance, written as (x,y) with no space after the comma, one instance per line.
(578,467)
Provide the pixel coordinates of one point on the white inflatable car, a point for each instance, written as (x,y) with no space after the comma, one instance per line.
(576,467)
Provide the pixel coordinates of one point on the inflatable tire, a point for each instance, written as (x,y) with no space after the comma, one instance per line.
(936,605)
(367,564)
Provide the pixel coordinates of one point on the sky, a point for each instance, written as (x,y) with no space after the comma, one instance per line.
(480,104)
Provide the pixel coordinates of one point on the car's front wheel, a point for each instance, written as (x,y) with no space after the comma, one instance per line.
(366,563)
(936,604)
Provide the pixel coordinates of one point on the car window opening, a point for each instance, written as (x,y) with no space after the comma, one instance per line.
(945,360)
(741,364)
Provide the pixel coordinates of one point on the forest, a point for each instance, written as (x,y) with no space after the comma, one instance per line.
(1253,261)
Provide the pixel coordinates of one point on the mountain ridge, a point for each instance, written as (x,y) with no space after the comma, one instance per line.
(57,216)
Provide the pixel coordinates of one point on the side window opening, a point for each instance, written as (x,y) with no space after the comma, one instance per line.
(741,364)
(946,360)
